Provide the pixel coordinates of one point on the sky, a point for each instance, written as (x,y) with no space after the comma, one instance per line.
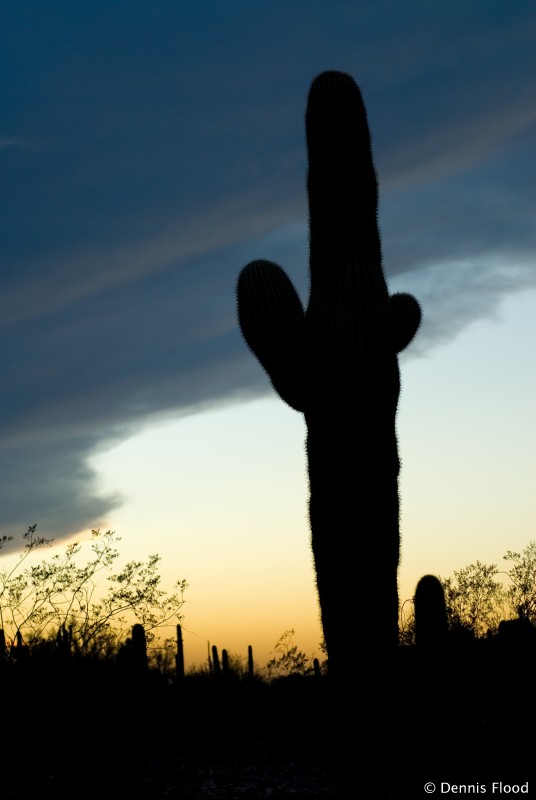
(148,151)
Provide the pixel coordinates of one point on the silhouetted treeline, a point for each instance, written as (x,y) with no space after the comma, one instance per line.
(448,707)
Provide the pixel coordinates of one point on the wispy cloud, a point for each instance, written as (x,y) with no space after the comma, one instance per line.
(454,294)
(24,144)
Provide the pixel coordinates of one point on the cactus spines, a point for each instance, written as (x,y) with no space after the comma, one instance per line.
(337,363)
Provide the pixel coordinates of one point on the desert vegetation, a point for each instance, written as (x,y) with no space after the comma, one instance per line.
(75,657)
(83,607)
(478,597)
(81,653)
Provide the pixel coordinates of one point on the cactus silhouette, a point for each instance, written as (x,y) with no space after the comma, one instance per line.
(215,662)
(430,613)
(3,646)
(225,669)
(336,362)
(179,657)
(250,662)
(64,640)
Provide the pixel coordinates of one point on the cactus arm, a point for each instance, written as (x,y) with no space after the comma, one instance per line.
(272,321)
(403,317)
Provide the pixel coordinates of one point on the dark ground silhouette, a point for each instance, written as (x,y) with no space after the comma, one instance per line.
(461,713)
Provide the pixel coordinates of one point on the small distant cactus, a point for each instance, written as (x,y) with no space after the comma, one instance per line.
(139,647)
(430,613)
(132,655)
(225,663)
(64,638)
(19,651)
(216,669)
(3,645)
(336,362)
(179,658)
(250,663)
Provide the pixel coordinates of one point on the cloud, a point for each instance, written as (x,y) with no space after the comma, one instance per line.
(454,294)
(6,141)
(49,483)
(459,145)
(14,141)
(86,270)
(172,152)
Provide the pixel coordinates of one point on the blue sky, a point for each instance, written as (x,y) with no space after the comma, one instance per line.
(148,150)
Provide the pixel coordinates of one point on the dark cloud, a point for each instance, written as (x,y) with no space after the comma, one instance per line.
(149,151)
(487,207)
(46,480)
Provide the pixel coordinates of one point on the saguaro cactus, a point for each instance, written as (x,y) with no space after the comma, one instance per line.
(337,363)
(3,646)
(179,657)
(215,662)
(250,663)
(430,613)
(138,648)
